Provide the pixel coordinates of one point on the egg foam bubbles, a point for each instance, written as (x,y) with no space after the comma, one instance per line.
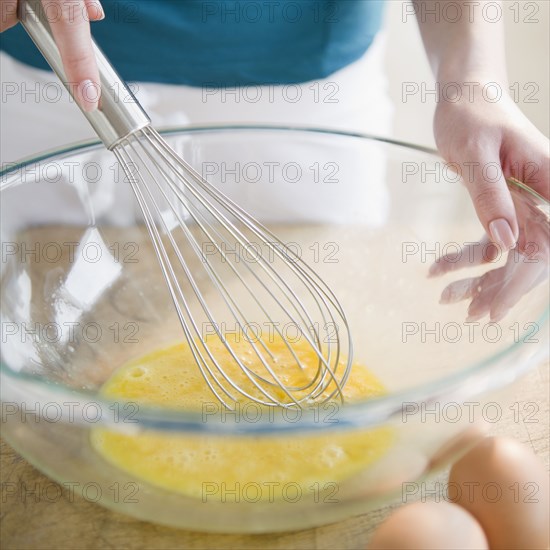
(192,464)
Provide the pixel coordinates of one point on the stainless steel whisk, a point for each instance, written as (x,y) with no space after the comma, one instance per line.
(202,240)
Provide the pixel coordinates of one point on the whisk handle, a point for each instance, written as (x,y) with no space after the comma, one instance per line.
(119,113)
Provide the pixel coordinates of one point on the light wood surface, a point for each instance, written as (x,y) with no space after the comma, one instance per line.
(64,522)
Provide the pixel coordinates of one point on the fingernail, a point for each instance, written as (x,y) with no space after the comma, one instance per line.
(100,13)
(501,234)
(88,95)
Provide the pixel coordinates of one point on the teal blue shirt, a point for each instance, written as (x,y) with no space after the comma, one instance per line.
(225,43)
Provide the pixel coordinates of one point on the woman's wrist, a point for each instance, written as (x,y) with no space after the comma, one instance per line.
(468,77)
(472,87)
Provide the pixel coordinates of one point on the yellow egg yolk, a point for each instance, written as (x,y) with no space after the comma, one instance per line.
(194,463)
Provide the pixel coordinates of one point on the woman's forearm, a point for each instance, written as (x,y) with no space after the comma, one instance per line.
(464,40)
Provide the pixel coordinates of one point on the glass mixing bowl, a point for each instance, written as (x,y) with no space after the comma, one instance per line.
(82,294)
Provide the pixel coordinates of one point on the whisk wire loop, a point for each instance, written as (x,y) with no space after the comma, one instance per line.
(192,201)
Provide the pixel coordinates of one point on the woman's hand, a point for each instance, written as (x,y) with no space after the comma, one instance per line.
(479,127)
(70,24)
(496,291)
(489,142)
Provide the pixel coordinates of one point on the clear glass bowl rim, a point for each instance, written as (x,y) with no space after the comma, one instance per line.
(473,380)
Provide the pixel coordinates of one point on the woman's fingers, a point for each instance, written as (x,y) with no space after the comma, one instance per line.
(95,10)
(526,157)
(525,277)
(490,195)
(487,290)
(491,142)
(498,290)
(70,26)
(479,253)
(8,14)
(460,290)
(480,290)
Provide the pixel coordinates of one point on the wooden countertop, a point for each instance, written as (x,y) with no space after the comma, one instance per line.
(36,522)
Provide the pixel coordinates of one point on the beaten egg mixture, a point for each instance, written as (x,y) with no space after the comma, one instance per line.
(169,377)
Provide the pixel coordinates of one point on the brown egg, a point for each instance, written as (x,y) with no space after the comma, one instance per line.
(429,526)
(505,487)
